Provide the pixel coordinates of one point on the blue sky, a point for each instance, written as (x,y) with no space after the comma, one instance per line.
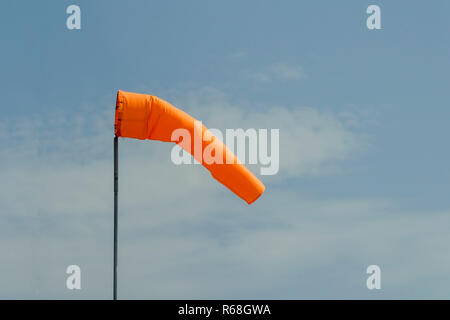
(365,184)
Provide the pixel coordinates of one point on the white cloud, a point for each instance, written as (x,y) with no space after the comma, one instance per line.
(312,142)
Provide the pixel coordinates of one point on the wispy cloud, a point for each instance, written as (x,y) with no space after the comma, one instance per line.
(238,54)
(280,71)
(284,71)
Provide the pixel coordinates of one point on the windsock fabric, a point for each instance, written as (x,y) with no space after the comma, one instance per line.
(143,116)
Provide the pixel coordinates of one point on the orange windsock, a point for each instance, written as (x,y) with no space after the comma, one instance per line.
(143,116)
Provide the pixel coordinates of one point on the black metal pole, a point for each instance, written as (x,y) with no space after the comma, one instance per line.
(116,189)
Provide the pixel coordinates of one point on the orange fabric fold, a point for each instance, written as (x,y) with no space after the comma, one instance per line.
(142,116)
